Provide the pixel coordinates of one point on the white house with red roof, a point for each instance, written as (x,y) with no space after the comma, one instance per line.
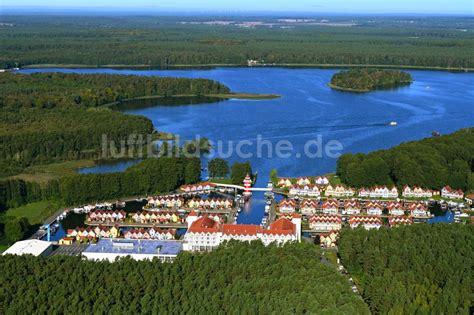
(395,208)
(374,208)
(321,180)
(287,206)
(331,206)
(338,191)
(379,192)
(418,210)
(416,192)
(309,206)
(284,182)
(303,181)
(325,222)
(307,190)
(450,193)
(399,220)
(351,207)
(368,222)
(205,234)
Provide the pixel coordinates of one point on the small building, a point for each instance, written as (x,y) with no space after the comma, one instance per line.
(111,249)
(309,206)
(30,247)
(395,208)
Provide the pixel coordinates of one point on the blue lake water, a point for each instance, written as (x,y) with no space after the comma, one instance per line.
(308,108)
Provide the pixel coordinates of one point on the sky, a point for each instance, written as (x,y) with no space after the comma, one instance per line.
(310,6)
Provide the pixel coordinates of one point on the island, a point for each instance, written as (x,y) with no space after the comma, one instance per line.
(367,79)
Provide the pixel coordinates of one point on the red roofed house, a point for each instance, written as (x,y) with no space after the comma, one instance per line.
(395,208)
(449,193)
(331,206)
(205,234)
(368,222)
(325,222)
(399,220)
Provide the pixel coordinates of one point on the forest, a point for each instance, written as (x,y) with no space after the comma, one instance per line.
(366,79)
(418,269)
(432,163)
(52,90)
(167,41)
(238,278)
(53,117)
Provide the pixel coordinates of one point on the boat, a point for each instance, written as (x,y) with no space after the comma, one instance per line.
(393,123)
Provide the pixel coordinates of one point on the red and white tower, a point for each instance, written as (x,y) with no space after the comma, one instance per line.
(247,185)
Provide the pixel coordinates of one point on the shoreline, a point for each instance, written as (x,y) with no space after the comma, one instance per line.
(217,65)
(242,96)
(343,89)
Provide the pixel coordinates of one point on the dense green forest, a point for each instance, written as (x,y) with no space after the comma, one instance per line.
(365,80)
(239,278)
(419,269)
(154,175)
(50,90)
(53,117)
(163,41)
(432,163)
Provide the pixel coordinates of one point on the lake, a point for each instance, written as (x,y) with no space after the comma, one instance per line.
(308,109)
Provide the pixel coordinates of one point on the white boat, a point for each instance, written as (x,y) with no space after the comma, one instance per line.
(393,123)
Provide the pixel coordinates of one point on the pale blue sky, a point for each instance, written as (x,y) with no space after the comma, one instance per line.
(334,6)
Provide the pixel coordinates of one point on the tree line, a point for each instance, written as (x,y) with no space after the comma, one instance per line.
(165,41)
(432,163)
(236,278)
(419,269)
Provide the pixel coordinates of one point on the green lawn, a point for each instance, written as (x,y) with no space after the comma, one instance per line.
(3,248)
(36,212)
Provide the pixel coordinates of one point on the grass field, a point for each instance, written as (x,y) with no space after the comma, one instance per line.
(44,173)
(35,212)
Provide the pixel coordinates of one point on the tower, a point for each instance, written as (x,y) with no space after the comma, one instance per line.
(247,185)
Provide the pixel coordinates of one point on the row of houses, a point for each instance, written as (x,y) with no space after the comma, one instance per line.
(302,181)
(449,193)
(328,223)
(211,203)
(308,190)
(147,217)
(205,233)
(150,233)
(91,233)
(107,216)
(198,188)
(165,202)
(352,207)
(379,192)
(417,192)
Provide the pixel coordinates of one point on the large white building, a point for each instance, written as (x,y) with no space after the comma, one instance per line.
(30,247)
(111,249)
(205,234)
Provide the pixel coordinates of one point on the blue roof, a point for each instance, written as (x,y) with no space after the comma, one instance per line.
(125,246)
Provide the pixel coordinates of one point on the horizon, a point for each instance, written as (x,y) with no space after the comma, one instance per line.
(242,7)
